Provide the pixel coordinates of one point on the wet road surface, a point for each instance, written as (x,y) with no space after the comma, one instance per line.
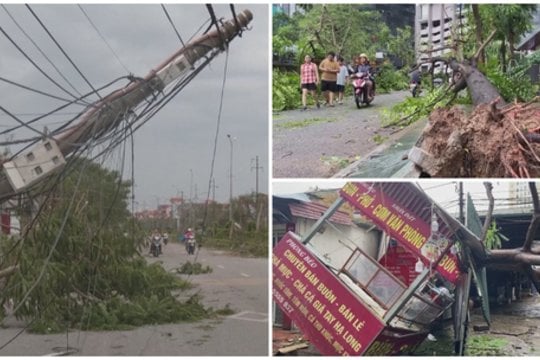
(238,281)
(320,142)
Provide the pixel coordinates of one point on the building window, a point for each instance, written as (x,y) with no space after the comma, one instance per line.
(48,146)
(38,170)
(30,156)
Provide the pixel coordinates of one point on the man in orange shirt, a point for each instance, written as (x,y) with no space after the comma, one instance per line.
(329,68)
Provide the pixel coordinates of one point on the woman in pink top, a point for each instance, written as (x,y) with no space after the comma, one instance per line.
(309,79)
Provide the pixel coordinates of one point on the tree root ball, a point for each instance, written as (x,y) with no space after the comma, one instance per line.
(489,142)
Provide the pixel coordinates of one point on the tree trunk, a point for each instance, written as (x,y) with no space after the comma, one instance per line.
(502,52)
(467,76)
(479,39)
(511,38)
(489,215)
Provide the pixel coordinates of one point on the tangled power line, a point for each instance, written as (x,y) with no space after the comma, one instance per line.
(102,142)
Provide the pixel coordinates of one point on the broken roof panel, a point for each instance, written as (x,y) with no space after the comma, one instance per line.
(314,211)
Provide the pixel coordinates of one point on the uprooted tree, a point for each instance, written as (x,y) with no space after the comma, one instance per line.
(495,139)
(524,258)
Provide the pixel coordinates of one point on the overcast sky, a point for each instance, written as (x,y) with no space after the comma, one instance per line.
(178,141)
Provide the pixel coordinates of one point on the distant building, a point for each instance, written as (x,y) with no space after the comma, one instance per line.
(520,194)
(287,9)
(435,27)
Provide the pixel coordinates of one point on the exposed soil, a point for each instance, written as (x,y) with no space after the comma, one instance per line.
(487,143)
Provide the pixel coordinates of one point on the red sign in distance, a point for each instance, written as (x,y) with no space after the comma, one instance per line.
(321,306)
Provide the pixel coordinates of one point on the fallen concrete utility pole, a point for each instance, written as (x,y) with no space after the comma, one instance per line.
(48,156)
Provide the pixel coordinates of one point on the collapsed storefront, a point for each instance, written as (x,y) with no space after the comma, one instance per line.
(368,306)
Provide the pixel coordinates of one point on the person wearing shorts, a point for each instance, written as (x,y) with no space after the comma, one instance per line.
(309,79)
(329,68)
(341,79)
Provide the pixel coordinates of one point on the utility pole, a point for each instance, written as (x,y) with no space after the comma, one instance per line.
(258,210)
(461,203)
(230,180)
(48,156)
(213,190)
(256,167)
(190,185)
(231,222)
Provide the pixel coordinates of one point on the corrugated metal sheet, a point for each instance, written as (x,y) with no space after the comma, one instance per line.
(314,211)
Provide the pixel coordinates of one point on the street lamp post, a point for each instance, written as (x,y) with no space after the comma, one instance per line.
(230,179)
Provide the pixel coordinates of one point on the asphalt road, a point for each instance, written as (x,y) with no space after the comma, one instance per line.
(240,282)
(329,139)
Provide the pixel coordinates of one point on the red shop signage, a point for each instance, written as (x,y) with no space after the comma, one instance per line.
(398,222)
(326,311)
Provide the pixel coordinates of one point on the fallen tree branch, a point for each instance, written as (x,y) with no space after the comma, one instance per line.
(8,271)
(481,48)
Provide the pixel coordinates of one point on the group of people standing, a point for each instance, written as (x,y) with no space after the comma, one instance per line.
(334,75)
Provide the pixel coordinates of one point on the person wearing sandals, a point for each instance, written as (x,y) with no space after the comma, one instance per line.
(329,68)
(341,79)
(309,79)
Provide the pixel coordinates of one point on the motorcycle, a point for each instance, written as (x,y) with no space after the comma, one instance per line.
(359,83)
(155,247)
(415,89)
(190,246)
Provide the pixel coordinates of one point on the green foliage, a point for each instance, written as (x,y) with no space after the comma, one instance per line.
(413,109)
(195,268)
(285,90)
(303,123)
(494,238)
(90,275)
(388,79)
(485,345)
(348,29)
(378,139)
(338,162)
(512,85)
(249,243)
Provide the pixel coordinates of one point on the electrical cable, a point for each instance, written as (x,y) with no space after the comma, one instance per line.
(61,108)
(172,24)
(215,22)
(62,50)
(51,252)
(216,138)
(25,327)
(35,90)
(22,123)
(34,63)
(40,50)
(103,38)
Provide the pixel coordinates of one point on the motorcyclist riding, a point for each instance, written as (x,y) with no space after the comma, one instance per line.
(155,244)
(189,237)
(363,66)
(416,81)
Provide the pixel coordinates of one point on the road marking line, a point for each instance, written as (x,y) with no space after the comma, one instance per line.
(221,266)
(244,275)
(245,315)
